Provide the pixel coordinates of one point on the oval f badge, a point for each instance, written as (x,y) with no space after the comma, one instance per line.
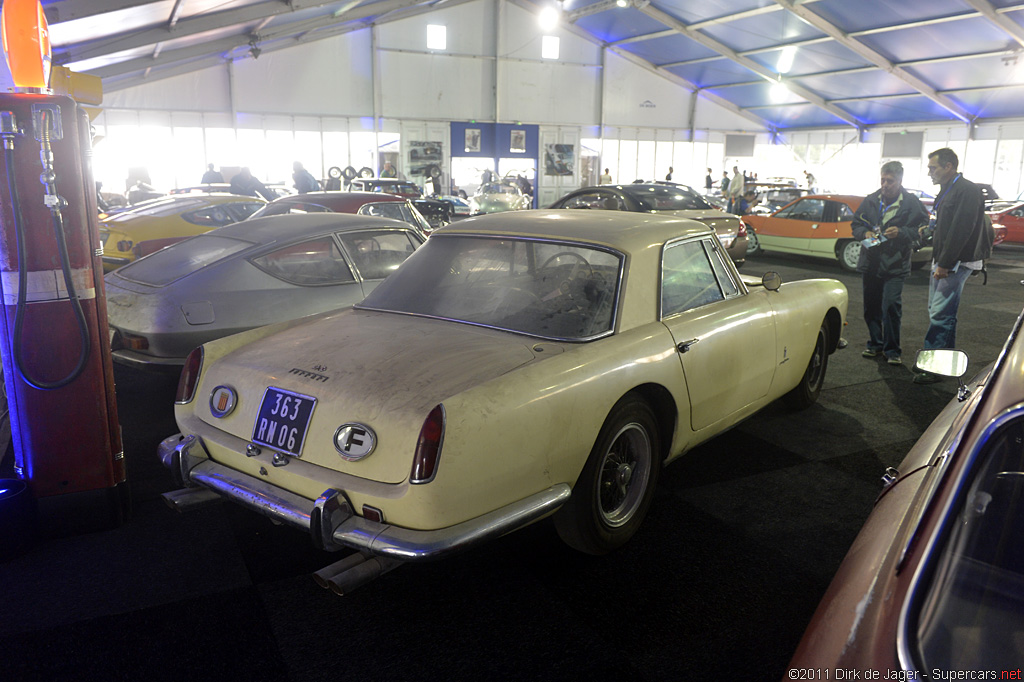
(354,441)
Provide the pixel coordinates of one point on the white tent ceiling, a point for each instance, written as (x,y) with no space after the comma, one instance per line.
(859,63)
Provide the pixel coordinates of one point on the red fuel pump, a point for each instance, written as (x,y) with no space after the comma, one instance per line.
(54,340)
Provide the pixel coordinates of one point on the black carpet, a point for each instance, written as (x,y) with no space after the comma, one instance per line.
(743,537)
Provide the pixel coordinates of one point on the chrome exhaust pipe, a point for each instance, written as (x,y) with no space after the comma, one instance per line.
(324,575)
(188,499)
(348,581)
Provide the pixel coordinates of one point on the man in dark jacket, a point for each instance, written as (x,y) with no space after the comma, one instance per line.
(303,179)
(886,224)
(958,249)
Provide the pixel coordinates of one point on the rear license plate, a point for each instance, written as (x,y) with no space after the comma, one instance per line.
(283,419)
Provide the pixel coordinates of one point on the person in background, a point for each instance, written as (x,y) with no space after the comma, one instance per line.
(303,179)
(724,185)
(211,176)
(389,171)
(810,182)
(736,188)
(959,246)
(668,178)
(747,202)
(244,183)
(708,181)
(605,179)
(889,219)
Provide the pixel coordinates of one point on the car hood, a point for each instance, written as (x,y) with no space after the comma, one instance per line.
(384,370)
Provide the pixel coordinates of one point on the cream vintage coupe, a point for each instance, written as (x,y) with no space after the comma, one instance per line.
(516,366)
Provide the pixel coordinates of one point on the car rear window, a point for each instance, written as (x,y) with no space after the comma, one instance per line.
(181,259)
(286,207)
(667,198)
(555,290)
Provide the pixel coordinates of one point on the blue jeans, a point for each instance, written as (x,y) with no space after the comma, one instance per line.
(883,311)
(943,302)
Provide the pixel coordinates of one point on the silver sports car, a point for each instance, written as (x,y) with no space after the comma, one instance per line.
(247,275)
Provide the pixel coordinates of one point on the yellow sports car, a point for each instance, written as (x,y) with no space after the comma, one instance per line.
(515,366)
(177,215)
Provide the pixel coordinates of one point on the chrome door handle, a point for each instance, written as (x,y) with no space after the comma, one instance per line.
(685,345)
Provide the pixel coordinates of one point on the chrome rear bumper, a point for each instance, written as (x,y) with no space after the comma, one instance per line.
(330,520)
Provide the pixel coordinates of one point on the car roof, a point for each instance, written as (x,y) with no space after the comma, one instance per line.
(337,200)
(850,199)
(624,231)
(299,225)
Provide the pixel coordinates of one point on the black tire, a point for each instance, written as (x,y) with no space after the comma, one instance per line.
(807,391)
(334,173)
(349,173)
(433,171)
(366,172)
(848,252)
(615,488)
(753,244)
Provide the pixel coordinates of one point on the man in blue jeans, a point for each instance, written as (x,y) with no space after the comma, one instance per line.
(887,224)
(958,249)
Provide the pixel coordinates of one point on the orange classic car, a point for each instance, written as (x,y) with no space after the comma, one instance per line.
(814,225)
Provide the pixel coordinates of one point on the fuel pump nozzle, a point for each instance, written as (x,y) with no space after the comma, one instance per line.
(8,128)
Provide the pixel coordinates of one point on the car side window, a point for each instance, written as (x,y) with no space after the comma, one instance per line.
(805,209)
(376,253)
(970,612)
(211,216)
(309,263)
(688,278)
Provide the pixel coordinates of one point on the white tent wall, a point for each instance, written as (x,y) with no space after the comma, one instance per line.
(326,77)
(204,90)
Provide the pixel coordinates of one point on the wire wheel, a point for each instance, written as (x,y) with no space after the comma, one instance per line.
(614,491)
(625,472)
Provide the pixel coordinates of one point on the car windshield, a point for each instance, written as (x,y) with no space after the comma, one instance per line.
(666,198)
(554,290)
(495,188)
(183,258)
(399,210)
(161,208)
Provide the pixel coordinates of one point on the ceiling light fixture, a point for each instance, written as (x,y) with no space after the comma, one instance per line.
(785,62)
(779,92)
(548,18)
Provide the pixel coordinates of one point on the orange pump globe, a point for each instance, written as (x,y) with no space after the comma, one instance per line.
(26,38)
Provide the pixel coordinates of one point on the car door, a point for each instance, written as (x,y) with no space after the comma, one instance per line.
(835,224)
(792,227)
(724,336)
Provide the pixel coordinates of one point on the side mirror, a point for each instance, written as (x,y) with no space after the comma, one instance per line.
(948,363)
(771,281)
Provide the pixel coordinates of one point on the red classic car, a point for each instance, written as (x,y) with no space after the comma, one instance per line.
(379,204)
(933,586)
(1011,222)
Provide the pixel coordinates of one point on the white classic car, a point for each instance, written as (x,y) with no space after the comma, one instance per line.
(515,366)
